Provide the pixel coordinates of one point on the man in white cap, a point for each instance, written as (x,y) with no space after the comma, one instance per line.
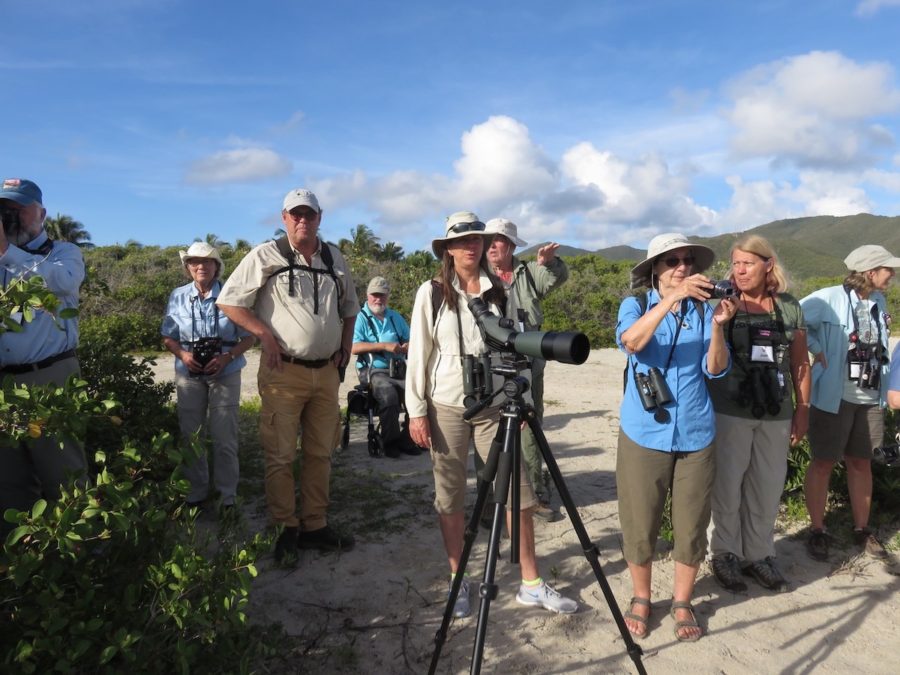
(297,296)
(527,285)
(847,333)
(43,352)
(380,341)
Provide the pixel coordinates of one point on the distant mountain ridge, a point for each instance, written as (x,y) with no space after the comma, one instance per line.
(807,247)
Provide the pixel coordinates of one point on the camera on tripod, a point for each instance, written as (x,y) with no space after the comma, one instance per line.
(205,349)
(498,333)
(653,389)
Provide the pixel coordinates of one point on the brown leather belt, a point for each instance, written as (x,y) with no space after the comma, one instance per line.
(19,368)
(318,363)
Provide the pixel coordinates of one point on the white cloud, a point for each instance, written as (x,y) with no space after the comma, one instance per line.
(871,7)
(814,193)
(816,109)
(237,166)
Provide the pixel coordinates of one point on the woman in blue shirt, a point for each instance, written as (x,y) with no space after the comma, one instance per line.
(673,340)
(208,351)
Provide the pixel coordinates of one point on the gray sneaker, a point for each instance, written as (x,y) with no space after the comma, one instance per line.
(547,597)
(461,608)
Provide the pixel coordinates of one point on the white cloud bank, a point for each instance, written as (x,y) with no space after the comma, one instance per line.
(872,7)
(237,166)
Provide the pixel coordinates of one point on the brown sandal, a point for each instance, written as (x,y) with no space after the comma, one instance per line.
(691,623)
(642,621)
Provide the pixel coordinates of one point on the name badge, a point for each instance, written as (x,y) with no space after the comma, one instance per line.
(762,354)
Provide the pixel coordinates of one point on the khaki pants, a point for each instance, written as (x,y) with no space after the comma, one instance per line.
(293,398)
(643,478)
(210,406)
(751,463)
(451,437)
(36,470)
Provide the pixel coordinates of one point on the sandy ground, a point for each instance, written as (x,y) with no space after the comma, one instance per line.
(376,608)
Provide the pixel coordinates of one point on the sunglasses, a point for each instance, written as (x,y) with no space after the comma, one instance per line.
(675,261)
(459,228)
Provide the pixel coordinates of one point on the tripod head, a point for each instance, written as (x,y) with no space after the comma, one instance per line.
(514,385)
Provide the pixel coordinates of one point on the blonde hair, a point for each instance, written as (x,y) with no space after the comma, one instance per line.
(776,276)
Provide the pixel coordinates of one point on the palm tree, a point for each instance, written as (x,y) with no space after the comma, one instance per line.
(362,244)
(66,228)
(391,252)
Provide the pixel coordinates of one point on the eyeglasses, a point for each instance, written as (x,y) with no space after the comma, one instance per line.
(196,262)
(675,261)
(459,228)
(299,214)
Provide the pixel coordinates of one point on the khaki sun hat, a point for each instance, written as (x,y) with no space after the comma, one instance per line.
(505,227)
(663,243)
(459,224)
(869,257)
(200,249)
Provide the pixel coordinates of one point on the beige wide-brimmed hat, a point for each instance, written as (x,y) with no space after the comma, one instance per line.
(459,224)
(663,243)
(200,249)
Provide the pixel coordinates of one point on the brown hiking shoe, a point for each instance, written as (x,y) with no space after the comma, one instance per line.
(866,540)
(817,545)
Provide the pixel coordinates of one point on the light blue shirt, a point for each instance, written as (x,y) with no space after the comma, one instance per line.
(829,321)
(189,317)
(692,422)
(62,270)
(392,329)
(894,381)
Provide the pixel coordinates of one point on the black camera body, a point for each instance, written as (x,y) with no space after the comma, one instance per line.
(724,289)
(205,349)
(396,369)
(887,455)
(653,389)
(10,219)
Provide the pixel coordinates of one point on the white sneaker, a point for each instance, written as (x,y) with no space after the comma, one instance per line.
(547,597)
(461,608)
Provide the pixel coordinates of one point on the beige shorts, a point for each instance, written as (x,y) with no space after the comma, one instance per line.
(451,437)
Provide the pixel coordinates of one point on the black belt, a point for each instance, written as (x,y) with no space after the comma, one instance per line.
(318,363)
(19,368)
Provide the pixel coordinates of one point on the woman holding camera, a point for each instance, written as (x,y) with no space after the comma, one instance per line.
(444,336)
(848,328)
(673,340)
(756,421)
(208,351)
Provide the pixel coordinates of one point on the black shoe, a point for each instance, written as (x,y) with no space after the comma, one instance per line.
(410,448)
(325,539)
(768,576)
(868,542)
(817,545)
(391,450)
(727,571)
(286,545)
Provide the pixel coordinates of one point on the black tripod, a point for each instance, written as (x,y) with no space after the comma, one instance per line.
(502,467)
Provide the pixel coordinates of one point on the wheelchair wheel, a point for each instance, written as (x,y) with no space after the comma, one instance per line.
(345,435)
(376,444)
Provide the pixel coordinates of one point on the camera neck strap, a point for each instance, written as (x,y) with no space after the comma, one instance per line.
(376,332)
(873,311)
(194,336)
(679,321)
(779,326)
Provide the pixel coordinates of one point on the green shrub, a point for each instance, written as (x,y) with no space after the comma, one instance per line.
(129,331)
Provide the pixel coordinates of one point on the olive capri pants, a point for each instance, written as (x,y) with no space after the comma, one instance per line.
(643,479)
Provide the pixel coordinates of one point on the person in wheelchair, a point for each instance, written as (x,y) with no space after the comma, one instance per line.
(380,340)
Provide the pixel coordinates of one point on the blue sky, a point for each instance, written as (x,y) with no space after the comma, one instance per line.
(592,123)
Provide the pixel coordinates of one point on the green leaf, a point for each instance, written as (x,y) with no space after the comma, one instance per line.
(17,534)
(38,509)
(107,654)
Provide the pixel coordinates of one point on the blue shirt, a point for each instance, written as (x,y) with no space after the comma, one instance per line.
(894,380)
(368,328)
(62,270)
(189,317)
(692,423)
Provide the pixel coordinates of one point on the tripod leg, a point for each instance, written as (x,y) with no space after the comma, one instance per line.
(468,541)
(588,547)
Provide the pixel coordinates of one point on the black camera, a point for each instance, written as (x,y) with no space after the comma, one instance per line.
(10,219)
(477,384)
(498,333)
(205,349)
(724,289)
(887,455)
(396,369)
(653,389)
